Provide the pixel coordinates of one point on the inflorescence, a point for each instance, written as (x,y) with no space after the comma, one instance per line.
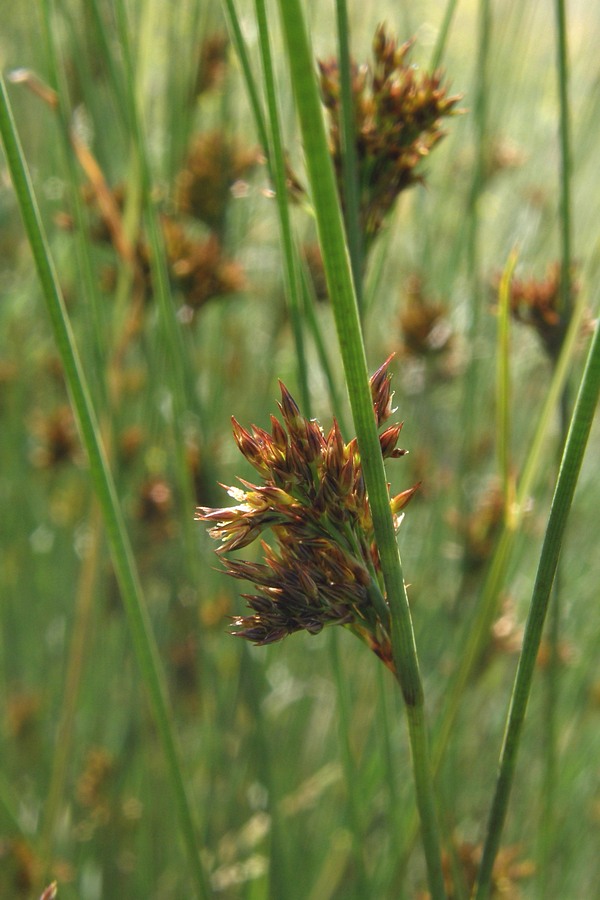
(398,112)
(324,568)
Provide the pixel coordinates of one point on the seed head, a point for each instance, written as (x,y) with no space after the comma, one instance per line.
(398,113)
(324,566)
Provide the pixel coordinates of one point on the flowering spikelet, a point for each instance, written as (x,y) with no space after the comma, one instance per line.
(325,566)
(398,112)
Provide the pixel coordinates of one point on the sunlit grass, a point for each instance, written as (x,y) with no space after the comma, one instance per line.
(294,758)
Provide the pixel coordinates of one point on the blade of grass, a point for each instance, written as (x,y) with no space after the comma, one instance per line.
(477,629)
(442,38)
(480,115)
(78,654)
(351,776)
(143,639)
(177,373)
(343,299)
(503,380)
(239,43)
(581,422)
(57,81)
(278,174)
(263,134)
(322,350)
(349,160)
(548,817)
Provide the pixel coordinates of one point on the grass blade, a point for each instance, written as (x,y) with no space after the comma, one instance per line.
(341,291)
(141,631)
(581,423)
(349,160)
(503,380)
(278,174)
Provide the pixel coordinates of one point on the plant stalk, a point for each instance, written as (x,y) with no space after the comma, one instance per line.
(143,639)
(343,298)
(579,430)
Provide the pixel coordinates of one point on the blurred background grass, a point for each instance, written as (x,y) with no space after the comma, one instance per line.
(84,791)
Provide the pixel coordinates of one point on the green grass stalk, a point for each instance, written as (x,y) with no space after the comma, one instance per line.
(141,631)
(565,158)
(78,654)
(294,268)
(349,161)
(239,44)
(178,378)
(57,82)
(503,429)
(442,38)
(278,174)
(341,291)
(548,816)
(107,55)
(322,349)
(480,120)
(351,775)
(477,629)
(581,422)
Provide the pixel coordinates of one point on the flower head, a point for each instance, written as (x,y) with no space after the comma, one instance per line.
(324,568)
(398,112)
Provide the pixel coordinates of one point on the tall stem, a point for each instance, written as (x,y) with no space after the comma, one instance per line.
(341,290)
(349,160)
(581,422)
(547,823)
(139,621)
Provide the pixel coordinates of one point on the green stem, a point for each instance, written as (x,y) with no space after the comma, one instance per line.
(480,114)
(343,299)
(322,350)
(177,378)
(78,655)
(139,622)
(351,775)
(581,422)
(278,175)
(565,158)
(503,379)
(350,175)
(242,53)
(547,824)
(477,629)
(440,44)
(97,341)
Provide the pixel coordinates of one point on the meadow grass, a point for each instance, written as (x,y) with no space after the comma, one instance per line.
(173,180)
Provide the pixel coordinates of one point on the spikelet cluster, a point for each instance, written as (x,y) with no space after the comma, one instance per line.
(398,112)
(324,568)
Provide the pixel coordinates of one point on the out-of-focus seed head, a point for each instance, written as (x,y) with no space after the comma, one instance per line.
(537,302)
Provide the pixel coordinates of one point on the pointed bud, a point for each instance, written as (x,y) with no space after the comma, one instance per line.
(388,440)
(398,502)
(315,440)
(288,406)
(278,432)
(381,392)
(346,478)
(250,447)
(307,585)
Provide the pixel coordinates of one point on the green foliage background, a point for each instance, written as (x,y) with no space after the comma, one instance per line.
(293,755)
